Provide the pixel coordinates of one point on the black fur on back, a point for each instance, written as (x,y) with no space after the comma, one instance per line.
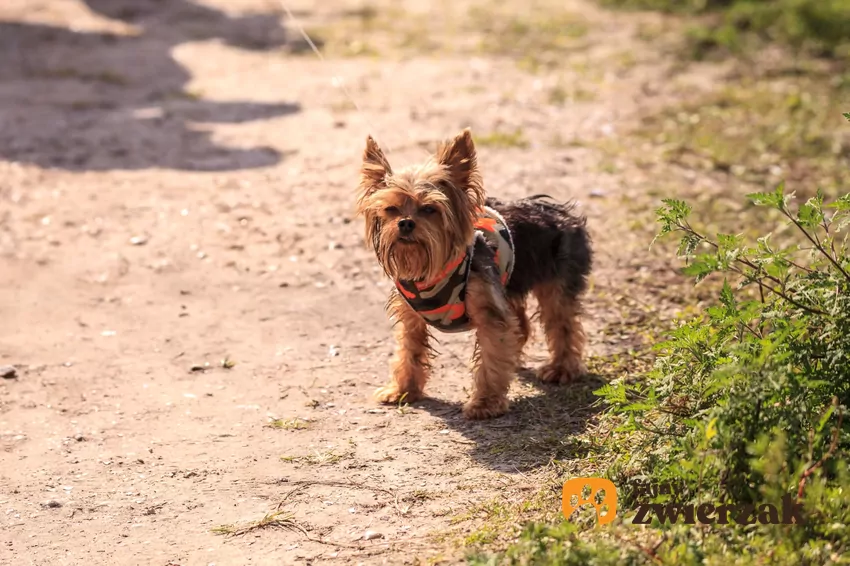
(551,243)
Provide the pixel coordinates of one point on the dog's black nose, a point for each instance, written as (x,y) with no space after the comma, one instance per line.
(406,226)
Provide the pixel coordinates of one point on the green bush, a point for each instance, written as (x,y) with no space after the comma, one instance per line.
(820,26)
(746,404)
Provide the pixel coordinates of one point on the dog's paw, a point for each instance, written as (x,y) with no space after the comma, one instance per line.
(391,394)
(562,374)
(479,409)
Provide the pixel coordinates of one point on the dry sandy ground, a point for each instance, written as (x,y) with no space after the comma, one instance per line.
(176,191)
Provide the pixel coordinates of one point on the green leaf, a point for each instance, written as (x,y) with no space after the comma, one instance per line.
(776,268)
(727,297)
(777,199)
(687,246)
(847,115)
(711,429)
(825,418)
(728,242)
(810,214)
(764,199)
(671,216)
(841,204)
(700,269)
(613,393)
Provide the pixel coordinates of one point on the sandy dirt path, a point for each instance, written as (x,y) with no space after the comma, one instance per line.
(179,266)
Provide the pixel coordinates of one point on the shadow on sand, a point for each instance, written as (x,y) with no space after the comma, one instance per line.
(537,429)
(97,101)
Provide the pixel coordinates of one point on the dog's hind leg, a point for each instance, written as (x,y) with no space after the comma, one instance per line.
(560,314)
(518,306)
(497,348)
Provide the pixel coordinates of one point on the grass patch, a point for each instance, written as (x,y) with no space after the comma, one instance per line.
(318,458)
(560,95)
(760,131)
(503,139)
(275,519)
(499,521)
(537,36)
(562,545)
(818,27)
(289,424)
(371,31)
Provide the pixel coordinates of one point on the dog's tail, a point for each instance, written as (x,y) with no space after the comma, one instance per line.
(563,209)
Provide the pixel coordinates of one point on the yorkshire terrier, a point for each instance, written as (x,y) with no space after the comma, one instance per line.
(461,260)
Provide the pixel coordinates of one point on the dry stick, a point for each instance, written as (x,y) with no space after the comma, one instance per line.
(832,448)
(826,230)
(291,524)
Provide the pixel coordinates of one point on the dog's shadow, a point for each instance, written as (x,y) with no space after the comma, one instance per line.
(538,428)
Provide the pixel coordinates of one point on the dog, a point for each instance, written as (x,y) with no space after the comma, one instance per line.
(462,261)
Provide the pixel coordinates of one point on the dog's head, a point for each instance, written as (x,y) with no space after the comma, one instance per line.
(421,217)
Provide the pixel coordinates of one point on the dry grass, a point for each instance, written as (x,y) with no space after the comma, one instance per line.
(289,424)
(275,519)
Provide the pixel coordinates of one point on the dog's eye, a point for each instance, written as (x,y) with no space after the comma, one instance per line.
(427,209)
(391,210)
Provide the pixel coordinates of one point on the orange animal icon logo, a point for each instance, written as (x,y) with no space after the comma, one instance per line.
(605,503)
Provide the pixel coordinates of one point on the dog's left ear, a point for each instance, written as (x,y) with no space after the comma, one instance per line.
(375,165)
(460,159)
(373,171)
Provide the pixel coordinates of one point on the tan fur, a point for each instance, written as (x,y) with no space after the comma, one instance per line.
(560,316)
(449,182)
(497,349)
(518,304)
(411,364)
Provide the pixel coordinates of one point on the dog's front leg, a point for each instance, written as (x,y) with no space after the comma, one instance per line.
(412,362)
(497,349)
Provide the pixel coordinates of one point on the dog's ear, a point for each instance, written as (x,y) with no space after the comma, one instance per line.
(461,162)
(375,166)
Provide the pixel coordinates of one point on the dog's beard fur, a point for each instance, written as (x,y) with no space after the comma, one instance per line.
(441,197)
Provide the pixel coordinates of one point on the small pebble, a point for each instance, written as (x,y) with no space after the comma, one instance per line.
(8,372)
(52,504)
(79,437)
(372,535)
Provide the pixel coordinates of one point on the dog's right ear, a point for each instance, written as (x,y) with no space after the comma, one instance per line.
(375,168)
